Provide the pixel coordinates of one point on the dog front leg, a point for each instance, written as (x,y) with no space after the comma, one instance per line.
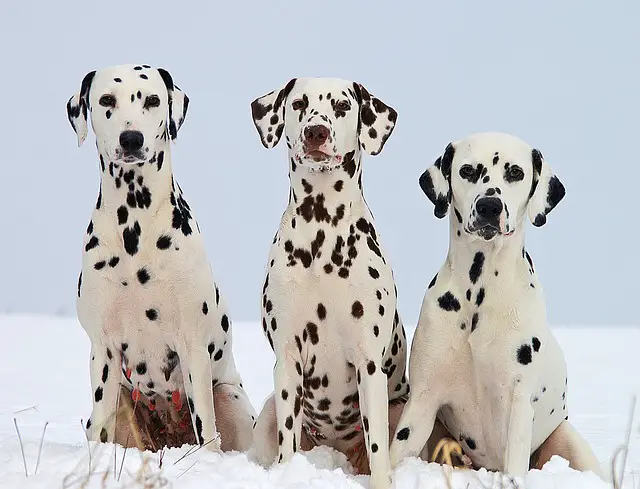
(415,425)
(288,395)
(105,385)
(198,386)
(518,446)
(374,409)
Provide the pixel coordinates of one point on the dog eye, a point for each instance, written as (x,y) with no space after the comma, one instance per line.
(107,101)
(343,105)
(515,173)
(298,104)
(151,101)
(466,171)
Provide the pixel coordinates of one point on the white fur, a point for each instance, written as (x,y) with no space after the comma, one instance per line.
(329,299)
(151,310)
(498,382)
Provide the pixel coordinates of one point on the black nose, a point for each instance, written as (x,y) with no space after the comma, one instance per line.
(489,208)
(131,141)
(316,134)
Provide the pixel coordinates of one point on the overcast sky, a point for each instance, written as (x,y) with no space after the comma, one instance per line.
(562,75)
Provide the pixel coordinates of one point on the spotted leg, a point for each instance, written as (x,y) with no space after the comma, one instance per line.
(518,447)
(288,395)
(198,383)
(374,409)
(415,425)
(105,376)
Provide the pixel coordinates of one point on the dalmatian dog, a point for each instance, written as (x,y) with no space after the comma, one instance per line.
(146,296)
(483,359)
(329,299)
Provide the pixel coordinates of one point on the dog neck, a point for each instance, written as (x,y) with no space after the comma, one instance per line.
(141,187)
(502,258)
(341,186)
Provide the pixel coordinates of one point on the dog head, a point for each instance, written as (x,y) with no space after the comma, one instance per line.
(132,108)
(492,180)
(323,120)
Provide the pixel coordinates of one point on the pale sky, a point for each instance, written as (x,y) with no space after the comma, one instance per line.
(563,76)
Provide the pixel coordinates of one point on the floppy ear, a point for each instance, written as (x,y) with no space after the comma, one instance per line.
(546,190)
(178,104)
(78,107)
(268,114)
(435,182)
(375,122)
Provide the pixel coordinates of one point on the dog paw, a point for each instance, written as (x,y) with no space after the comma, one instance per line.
(215,444)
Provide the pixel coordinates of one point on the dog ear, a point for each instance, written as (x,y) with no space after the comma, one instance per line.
(546,190)
(435,182)
(78,108)
(376,120)
(178,104)
(268,114)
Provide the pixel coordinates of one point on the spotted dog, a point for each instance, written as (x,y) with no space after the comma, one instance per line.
(483,359)
(329,299)
(146,296)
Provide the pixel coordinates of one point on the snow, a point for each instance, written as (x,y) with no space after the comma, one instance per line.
(45,378)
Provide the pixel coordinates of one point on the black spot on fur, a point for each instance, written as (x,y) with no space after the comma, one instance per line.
(357,310)
(480,296)
(474,322)
(98,394)
(224,322)
(536,344)
(199,430)
(164,242)
(289,422)
(371,367)
(322,312)
(476,267)
(403,434)
(524,355)
(205,308)
(92,243)
(448,302)
(143,276)
(105,373)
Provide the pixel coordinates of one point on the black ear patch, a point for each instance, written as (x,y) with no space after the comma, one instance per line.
(376,120)
(447,160)
(268,112)
(546,190)
(74,111)
(435,182)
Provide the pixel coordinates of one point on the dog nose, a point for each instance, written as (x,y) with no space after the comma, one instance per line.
(316,134)
(489,208)
(131,140)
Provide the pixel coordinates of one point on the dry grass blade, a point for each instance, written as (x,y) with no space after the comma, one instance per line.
(34,407)
(24,460)
(188,452)
(186,470)
(618,481)
(115,441)
(195,448)
(40,448)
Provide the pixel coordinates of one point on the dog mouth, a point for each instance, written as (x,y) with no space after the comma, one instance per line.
(317,155)
(487,231)
(130,156)
(321,162)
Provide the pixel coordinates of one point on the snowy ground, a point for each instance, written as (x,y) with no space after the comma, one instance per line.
(45,377)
